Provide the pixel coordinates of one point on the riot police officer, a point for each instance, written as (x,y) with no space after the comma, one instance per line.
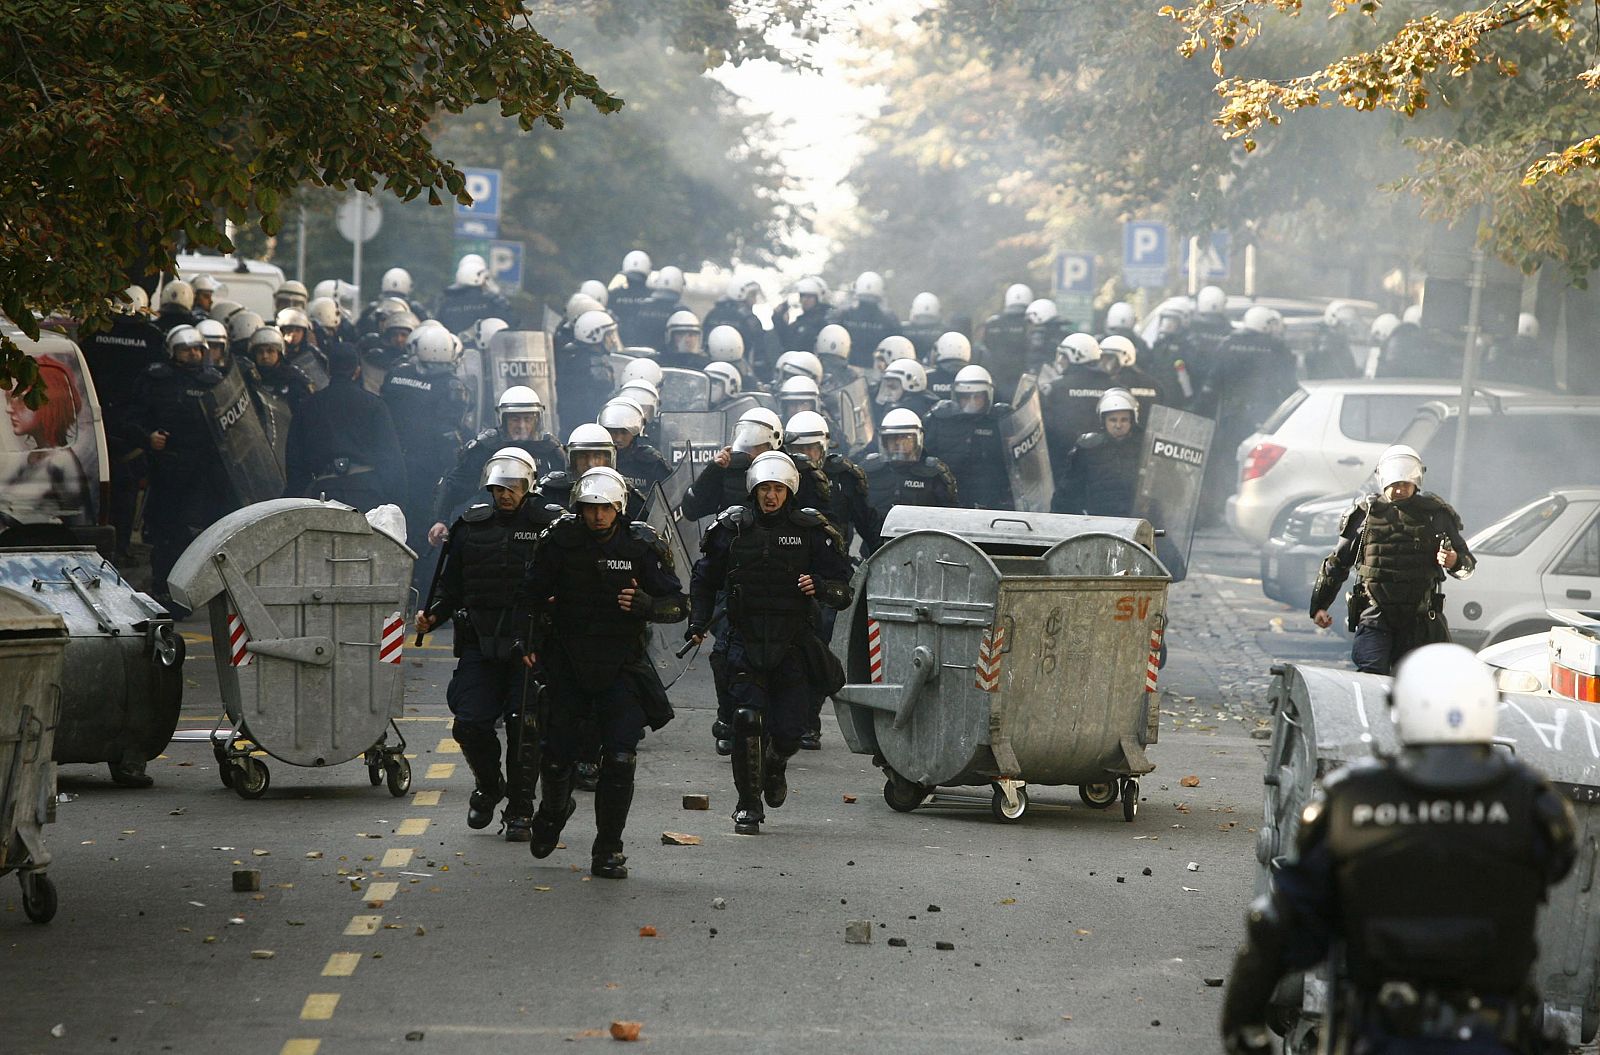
(1121,322)
(901,473)
(187,478)
(1070,403)
(640,464)
(625,300)
(583,374)
(651,315)
(867,321)
(205,289)
(382,351)
(951,352)
(798,364)
(1426,871)
(924,325)
(601,578)
(726,383)
(1251,374)
(964,433)
(1172,356)
(833,352)
(684,348)
(117,357)
(472,297)
(521,414)
(776,562)
(800,333)
(292,294)
(1209,327)
(721,483)
(1046,329)
(1329,356)
(1005,338)
(177,306)
(1119,359)
(342,444)
(904,386)
(272,372)
(1402,542)
(737,309)
(1100,476)
(431,403)
(480,570)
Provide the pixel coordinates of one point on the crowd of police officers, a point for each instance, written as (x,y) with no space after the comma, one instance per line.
(554,579)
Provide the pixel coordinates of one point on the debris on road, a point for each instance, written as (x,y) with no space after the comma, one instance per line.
(647,931)
(718,902)
(858,932)
(898,943)
(679,839)
(945,946)
(1213,983)
(1190,782)
(697,802)
(849,798)
(626,1030)
(262,954)
(246,880)
(1193,866)
(58,1030)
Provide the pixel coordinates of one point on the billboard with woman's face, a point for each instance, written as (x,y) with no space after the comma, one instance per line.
(50,456)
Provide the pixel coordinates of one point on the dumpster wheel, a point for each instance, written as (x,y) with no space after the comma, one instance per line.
(374,771)
(1004,810)
(903,795)
(397,769)
(251,778)
(1098,796)
(224,764)
(1130,799)
(38,896)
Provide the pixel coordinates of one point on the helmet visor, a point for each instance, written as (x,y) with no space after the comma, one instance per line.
(752,437)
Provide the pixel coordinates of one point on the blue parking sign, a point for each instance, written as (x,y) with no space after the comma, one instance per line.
(505,264)
(1075,273)
(484,186)
(1144,253)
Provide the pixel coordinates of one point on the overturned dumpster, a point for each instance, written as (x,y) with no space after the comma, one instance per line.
(1005,649)
(308,603)
(1324,718)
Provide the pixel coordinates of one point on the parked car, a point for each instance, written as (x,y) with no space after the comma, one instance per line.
(1324,439)
(1297,313)
(1567,638)
(1519,448)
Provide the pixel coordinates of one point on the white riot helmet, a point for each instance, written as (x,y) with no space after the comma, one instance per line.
(1340,314)
(590,438)
(952,347)
(893,347)
(243,324)
(1528,325)
(1017,298)
(798,394)
(1120,316)
(601,487)
(184,337)
(593,287)
(213,332)
(328,287)
(623,414)
(757,427)
(869,286)
(578,304)
(1399,464)
(206,284)
(726,381)
(644,393)
(642,369)
(265,337)
(1443,694)
(972,380)
(596,328)
(1261,319)
(670,278)
(773,467)
(509,466)
(293,317)
(1117,399)
(805,429)
(400,320)
(483,330)
(1175,315)
(636,264)
(800,364)
(520,399)
(396,282)
(912,375)
(925,307)
(834,340)
(1412,314)
(1383,326)
(472,270)
(725,344)
(178,292)
(811,286)
(324,311)
(344,294)
(432,343)
(682,321)
(1077,349)
(1040,311)
(291,294)
(1125,350)
(222,310)
(901,422)
(132,301)
(1211,301)
(741,288)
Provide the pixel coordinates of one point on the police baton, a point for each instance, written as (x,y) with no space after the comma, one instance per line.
(688,646)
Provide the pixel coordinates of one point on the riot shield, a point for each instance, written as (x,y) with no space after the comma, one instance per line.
(310,364)
(1027,455)
(685,390)
(241,441)
(683,540)
(521,357)
(851,410)
(275,416)
(1171,467)
(482,401)
(699,434)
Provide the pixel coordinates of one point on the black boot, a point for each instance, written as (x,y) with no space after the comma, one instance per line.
(481,749)
(612,799)
(747,759)
(522,777)
(774,781)
(554,808)
(723,736)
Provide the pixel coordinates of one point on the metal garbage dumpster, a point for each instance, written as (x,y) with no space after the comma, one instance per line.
(1005,648)
(122,682)
(33,642)
(1324,718)
(308,603)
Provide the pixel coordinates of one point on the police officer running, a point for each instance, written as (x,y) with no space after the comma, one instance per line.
(776,563)
(900,473)
(479,573)
(600,577)
(1419,878)
(521,425)
(1401,542)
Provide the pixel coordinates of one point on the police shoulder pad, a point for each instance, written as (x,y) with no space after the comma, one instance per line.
(735,517)
(1001,408)
(652,538)
(808,516)
(567,528)
(483,435)
(159,370)
(478,512)
(873,462)
(944,409)
(1090,440)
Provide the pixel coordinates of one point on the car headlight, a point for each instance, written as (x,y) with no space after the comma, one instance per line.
(1517,681)
(1325,525)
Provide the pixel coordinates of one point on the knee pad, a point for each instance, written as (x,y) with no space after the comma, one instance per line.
(785,748)
(619,760)
(472,735)
(747,722)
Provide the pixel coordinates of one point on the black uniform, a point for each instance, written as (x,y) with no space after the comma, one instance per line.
(462,481)
(460,307)
(923,336)
(940,379)
(603,688)
(583,380)
(738,314)
(852,511)
(1427,872)
(171,316)
(716,488)
(971,445)
(919,403)
(1004,350)
(1071,407)
(624,304)
(117,357)
(1396,606)
(837,373)
(187,479)
(343,444)
(650,320)
(1251,374)
(1142,386)
(643,467)
(776,662)
(868,323)
(799,334)
(286,381)
(1329,357)
(1101,475)
(1207,332)
(483,565)
(1166,355)
(431,403)
(925,482)
(1043,340)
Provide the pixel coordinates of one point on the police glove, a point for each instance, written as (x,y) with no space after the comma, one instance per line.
(694,632)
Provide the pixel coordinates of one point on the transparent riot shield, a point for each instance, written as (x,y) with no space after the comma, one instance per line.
(482,402)
(521,357)
(697,435)
(851,409)
(275,418)
(310,364)
(683,540)
(1176,444)
(247,454)
(1027,454)
(685,390)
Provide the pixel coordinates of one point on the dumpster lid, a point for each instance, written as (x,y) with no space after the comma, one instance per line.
(21,616)
(1003,531)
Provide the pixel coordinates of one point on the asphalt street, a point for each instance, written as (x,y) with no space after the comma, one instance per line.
(386,924)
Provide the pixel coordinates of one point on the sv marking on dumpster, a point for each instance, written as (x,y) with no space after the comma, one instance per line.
(1130,607)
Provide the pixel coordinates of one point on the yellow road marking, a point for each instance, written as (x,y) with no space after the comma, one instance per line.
(417,719)
(381,891)
(362,926)
(319,1007)
(440,771)
(300,1046)
(425,798)
(412,826)
(448,746)
(397,858)
(341,965)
